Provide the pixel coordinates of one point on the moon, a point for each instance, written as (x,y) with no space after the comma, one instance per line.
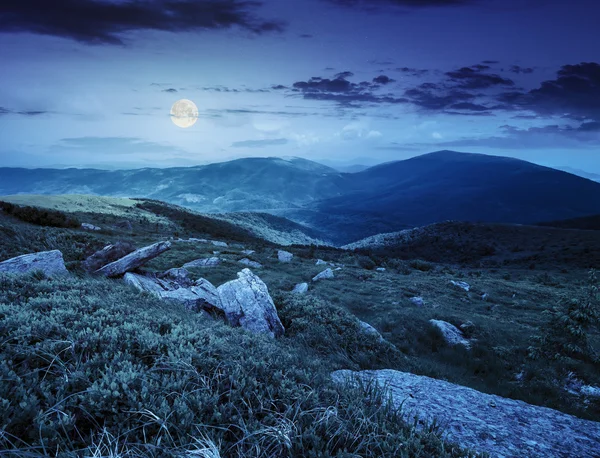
(184,113)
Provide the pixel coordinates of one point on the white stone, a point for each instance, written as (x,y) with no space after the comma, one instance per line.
(327,273)
(300,288)
(452,335)
(49,262)
(284,256)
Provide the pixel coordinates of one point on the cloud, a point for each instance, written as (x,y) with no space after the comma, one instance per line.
(474,78)
(259,143)
(383,79)
(412,71)
(575,94)
(305,35)
(170,90)
(7,111)
(112,146)
(103,22)
(549,136)
(519,69)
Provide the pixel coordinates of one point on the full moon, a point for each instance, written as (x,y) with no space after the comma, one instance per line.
(184,113)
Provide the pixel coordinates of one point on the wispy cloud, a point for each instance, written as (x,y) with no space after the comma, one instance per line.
(259,143)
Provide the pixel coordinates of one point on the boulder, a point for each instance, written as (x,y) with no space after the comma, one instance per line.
(461,285)
(246,302)
(248,252)
(452,335)
(320,262)
(483,422)
(250,263)
(106,255)
(208,294)
(284,256)
(143,283)
(49,262)
(178,275)
(368,329)
(327,273)
(300,288)
(204,262)
(380,269)
(89,227)
(218,243)
(418,301)
(134,260)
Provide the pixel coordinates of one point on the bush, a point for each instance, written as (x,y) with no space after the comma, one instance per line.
(39,216)
(90,367)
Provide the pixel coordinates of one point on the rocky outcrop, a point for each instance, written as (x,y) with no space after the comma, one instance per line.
(204,262)
(300,288)
(284,256)
(484,422)
(327,273)
(106,255)
(49,262)
(201,296)
(246,302)
(134,260)
(250,263)
(452,335)
(90,227)
(179,275)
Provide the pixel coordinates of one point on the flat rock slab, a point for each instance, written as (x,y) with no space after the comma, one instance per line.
(49,262)
(484,422)
(134,260)
(204,262)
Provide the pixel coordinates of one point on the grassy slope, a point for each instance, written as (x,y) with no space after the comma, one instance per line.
(321,323)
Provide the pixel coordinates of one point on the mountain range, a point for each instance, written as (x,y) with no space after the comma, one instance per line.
(342,207)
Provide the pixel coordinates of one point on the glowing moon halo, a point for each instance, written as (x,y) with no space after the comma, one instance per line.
(184,113)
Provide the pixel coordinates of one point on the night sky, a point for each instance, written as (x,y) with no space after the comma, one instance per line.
(91,83)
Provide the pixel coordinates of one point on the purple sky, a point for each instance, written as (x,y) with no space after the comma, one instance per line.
(91,83)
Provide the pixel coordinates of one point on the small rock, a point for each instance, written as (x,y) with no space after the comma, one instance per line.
(338,268)
(204,262)
(380,269)
(320,262)
(193,239)
(327,273)
(284,256)
(468,328)
(248,252)
(300,288)
(461,284)
(418,301)
(452,335)
(368,329)
(250,263)
(484,296)
(217,243)
(89,227)
(49,262)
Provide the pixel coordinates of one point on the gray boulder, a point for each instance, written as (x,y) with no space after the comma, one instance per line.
(246,302)
(106,255)
(452,335)
(484,422)
(218,243)
(49,262)
(320,262)
(134,260)
(300,288)
(204,262)
(327,273)
(284,256)
(248,252)
(208,295)
(143,283)
(89,227)
(250,263)
(380,269)
(179,276)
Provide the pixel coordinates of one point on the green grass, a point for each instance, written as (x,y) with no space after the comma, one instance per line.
(65,342)
(90,365)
